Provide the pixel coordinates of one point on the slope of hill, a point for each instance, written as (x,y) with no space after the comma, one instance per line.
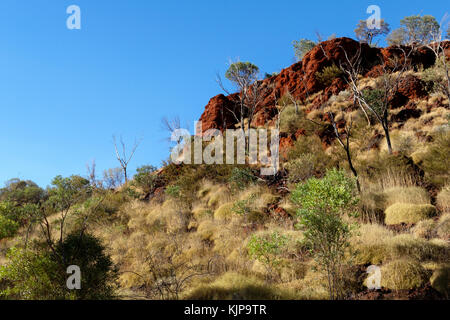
(225,232)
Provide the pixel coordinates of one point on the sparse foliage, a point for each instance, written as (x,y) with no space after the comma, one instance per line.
(302,47)
(366,35)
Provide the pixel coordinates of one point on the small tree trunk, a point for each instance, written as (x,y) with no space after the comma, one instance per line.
(125,174)
(388,137)
(350,163)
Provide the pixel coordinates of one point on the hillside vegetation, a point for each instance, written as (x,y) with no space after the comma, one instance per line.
(357,186)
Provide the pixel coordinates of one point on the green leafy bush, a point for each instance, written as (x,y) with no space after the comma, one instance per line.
(41,274)
(328,74)
(145,178)
(31,275)
(322,204)
(241,177)
(98,274)
(302,47)
(267,248)
(8,227)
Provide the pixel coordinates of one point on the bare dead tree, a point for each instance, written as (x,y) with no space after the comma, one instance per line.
(122,157)
(249,98)
(352,67)
(92,174)
(346,145)
(392,72)
(294,101)
(254,99)
(171,124)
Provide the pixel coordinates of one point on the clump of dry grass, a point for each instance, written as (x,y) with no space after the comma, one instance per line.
(443,199)
(406,245)
(399,213)
(410,195)
(235,286)
(425,229)
(403,274)
(443,227)
(224,212)
(370,244)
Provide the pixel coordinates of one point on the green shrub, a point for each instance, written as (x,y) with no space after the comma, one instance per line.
(266,249)
(97,269)
(8,227)
(400,213)
(246,209)
(241,177)
(328,74)
(22,192)
(322,206)
(403,274)
(40,274)
(308,149)
(31,275)
(145,178)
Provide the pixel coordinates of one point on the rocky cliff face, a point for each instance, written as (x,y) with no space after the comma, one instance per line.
(300,80)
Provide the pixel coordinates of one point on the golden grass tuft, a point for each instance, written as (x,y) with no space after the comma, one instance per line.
(370,244)
(425,229)
(235,286)
(406,245)
(224,212)
(443,227)
(403,274)
(443,199)
(399,213)
(218,196)
(410,195)
(206,230)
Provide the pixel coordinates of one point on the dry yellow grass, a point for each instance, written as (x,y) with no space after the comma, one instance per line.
(410,195)
(403,274)
(399,213)
(443,199)
(371,244)
(234,286)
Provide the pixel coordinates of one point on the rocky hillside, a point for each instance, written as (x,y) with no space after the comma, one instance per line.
(225,232)
(300,80)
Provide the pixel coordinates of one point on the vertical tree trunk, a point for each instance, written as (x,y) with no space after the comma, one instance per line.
(388,136)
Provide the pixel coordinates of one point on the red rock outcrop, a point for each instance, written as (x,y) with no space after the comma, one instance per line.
(300,79)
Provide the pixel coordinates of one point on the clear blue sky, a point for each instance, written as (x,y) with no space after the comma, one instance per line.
(64,93)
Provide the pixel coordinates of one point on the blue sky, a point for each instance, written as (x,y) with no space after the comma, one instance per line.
(64,93)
